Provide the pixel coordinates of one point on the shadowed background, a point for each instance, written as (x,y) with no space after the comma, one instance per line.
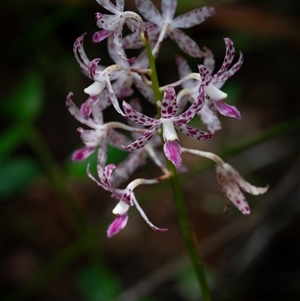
(53,218)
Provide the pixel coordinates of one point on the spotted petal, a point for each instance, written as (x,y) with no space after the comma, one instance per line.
(230,188)
(149,11)
(196,106)
(194,17)
(137,117)
(209,61)
(227,74)
(144,139)
(192,132)
(118,42)
(247,187)
(183,70)
(185,43)
(209,118)
(169,104)
(168,8)
(107,22)
(229,55)
(108,5)
(76,113)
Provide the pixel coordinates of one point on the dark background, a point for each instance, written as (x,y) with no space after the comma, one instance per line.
(53,219)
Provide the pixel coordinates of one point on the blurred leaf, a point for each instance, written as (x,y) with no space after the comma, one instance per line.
(78,169)
(98,284)
(26,102)
(10,139)
(15,175)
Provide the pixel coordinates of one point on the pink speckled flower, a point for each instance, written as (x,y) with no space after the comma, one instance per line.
(113,24)
(102,77)
(169,121)
(231,183)
(190,93)
(214,82)
(167,25)
(99,136)
(126,199)
(125,78)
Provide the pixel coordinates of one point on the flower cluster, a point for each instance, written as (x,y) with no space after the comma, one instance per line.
(152,137)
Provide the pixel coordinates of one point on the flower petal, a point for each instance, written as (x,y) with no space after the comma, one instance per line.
(128,166)
(144,139)
(229,187)
(227,110)
(108,22)
(192,132)
(196,106)
(194,17)
(183,70)
(247,186)
(172,150)
(117,225)
(90,137)
(100,35)
(210,119)
(227,74)
(76,112)
(185,43)
(113,53)
(229,55)
(149,11)
(168,8)
(137,117)
(144,216)
(146,91)
(169,104)
(108,5)
(209,61)
(120,5)
(82,153)
(118,40)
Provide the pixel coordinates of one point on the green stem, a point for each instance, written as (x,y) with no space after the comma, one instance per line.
(188,235)
(153,74)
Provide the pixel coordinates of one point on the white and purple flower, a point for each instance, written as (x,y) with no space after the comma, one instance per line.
(169,121)
(166,25)
(213,83)
(126,199)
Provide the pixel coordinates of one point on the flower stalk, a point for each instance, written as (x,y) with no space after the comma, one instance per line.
(189,237)
(155,137)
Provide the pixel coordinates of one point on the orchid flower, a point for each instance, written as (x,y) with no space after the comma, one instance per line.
(166,25)
(113,24)
(190,92)
(231,183)
(168,120)
(126,199)
(125,78)
(99,135)
(102,80)
(214,82)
